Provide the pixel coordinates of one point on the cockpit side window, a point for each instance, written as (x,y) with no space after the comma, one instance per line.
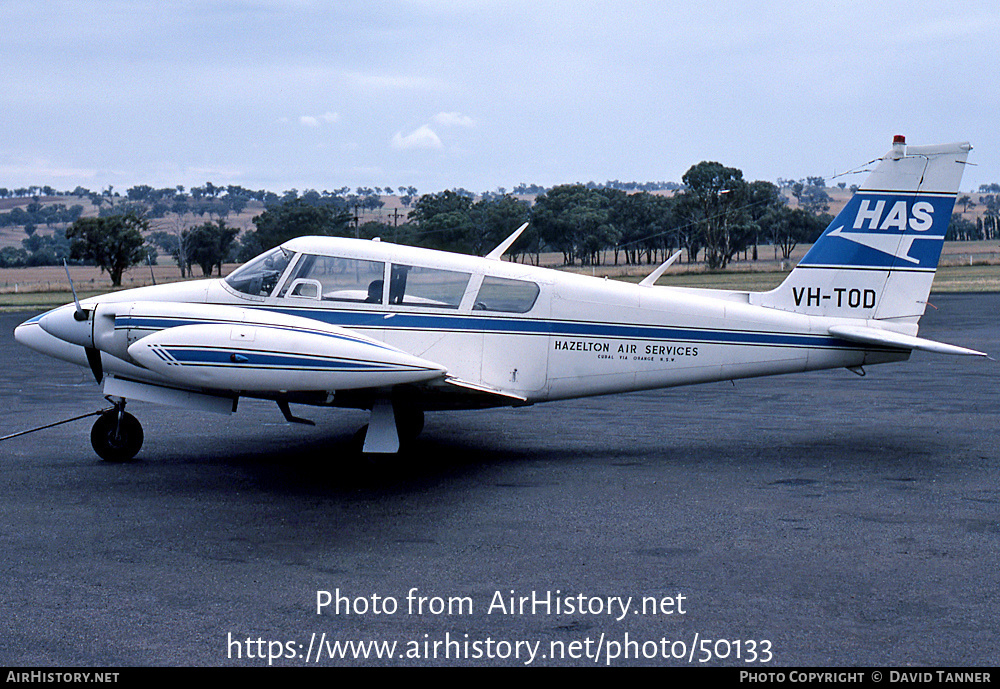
(260,276)
(506,295)
(418,286)
(338,279)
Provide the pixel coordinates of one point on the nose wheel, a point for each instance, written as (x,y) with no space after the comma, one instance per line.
(116,435)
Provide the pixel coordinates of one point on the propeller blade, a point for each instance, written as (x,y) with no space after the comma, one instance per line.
(80,314)
(94,359)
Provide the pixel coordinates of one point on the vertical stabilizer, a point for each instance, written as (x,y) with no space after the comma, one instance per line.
(877,258)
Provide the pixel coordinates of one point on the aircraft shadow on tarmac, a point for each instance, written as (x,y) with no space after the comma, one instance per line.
(278,460)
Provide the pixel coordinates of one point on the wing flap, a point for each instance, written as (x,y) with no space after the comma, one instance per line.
(503,395)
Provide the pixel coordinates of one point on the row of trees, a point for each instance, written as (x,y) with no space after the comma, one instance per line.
(23,192)
(36,213)
(234,196)
(717,214)
(145,192)
(985,226)
(37,250)
(118,242)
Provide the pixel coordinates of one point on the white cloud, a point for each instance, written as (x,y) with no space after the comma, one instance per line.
(315,121)
(454,119)
(424,137)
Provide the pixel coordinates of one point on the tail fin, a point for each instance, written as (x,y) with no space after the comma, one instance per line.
(877,258)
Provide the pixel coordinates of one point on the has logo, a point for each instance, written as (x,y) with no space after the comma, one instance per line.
(887,226)
(900,216)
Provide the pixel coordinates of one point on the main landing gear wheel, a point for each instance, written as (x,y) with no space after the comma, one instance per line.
(116,436)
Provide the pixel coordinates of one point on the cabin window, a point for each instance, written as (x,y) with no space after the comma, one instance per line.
(506,295)
(416,286)
(259,277)
(332,278)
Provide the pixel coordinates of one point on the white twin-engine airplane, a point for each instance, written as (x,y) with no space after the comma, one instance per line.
(399,330)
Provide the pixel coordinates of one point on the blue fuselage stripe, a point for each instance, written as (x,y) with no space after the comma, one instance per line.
(513,326)
(549,327)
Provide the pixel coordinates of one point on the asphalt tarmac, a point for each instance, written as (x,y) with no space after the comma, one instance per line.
(818,519)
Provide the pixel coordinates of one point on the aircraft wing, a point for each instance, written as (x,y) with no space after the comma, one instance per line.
(241,351)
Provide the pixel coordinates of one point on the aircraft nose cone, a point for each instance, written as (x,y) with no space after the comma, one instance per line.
(24,332)
(63,323)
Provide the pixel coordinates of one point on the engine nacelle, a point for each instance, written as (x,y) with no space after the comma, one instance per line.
(245,357)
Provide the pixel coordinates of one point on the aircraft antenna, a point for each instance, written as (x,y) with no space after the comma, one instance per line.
(651,279)
(498,252)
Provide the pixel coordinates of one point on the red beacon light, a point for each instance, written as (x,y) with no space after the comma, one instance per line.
(898,147)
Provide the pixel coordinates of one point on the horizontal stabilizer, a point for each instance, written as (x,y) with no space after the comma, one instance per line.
(888,338)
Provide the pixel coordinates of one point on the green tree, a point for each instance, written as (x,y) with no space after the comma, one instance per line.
(577,221)
(452,220)
(763,198)
(444,221)
(11,257)
(46,250)
(294,218)
(787,227)
(648,224)
(113,242)
(717,198)
(496,216)
(961,229)
(812,195)
(209,244)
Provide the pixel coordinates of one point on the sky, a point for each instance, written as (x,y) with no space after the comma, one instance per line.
(483,94)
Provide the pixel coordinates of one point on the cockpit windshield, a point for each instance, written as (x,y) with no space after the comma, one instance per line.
(260,276)
(335,278)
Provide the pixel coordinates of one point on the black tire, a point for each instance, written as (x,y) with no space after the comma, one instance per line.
(114,440)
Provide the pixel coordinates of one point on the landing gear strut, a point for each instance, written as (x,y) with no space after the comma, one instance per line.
(116,435)
(389,426)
